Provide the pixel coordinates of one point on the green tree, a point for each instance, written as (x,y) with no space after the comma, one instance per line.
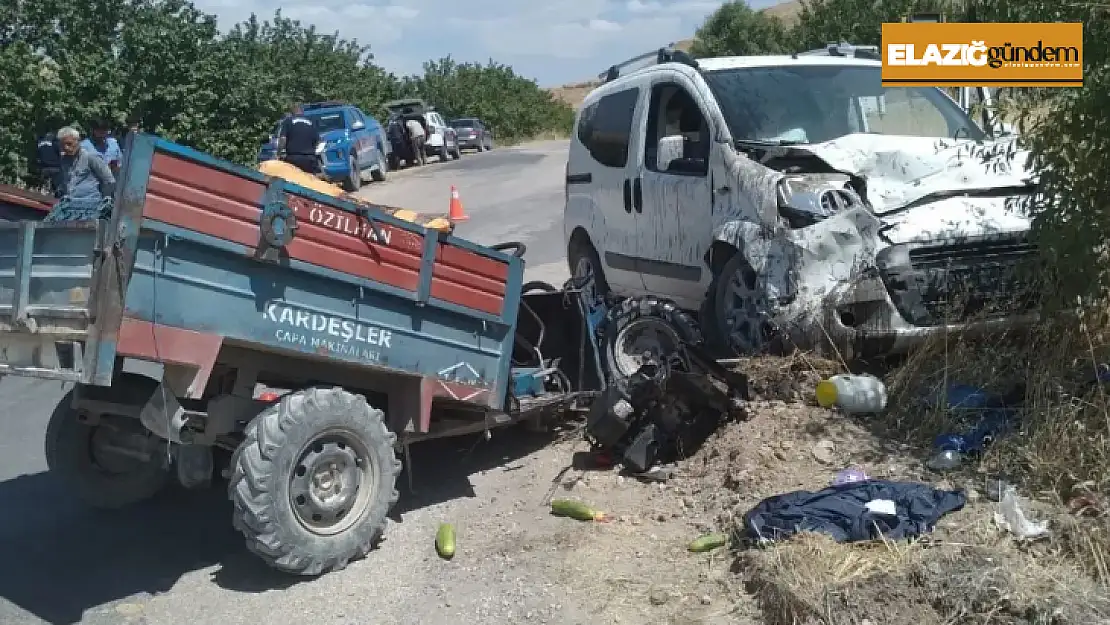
(520,109)
(736,29)
(72,61)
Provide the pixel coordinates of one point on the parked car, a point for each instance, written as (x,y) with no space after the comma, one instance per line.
(442,140)
(396,128)
(352,146)
(795,200)
(472,134)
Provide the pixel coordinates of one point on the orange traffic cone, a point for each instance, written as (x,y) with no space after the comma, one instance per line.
(455,212)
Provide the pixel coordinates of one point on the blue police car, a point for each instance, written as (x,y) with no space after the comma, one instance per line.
(352,146)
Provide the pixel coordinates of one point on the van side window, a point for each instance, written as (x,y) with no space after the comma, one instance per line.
(673,112)
(605,127)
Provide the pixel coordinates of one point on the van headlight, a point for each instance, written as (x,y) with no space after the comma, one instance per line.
(320,147)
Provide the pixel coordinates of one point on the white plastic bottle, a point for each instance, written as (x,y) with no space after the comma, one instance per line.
(854,394)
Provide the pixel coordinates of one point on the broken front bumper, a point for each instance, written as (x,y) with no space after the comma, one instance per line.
(916,291)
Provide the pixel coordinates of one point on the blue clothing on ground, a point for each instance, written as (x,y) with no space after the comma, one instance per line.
(110,153)
(842,513)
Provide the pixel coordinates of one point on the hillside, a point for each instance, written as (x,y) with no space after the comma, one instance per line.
(574,93)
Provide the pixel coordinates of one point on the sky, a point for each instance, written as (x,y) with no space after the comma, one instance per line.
(553,41)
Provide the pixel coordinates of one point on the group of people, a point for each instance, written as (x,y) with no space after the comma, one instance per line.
(81,172)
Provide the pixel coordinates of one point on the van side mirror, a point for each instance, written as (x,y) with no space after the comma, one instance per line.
(670,148)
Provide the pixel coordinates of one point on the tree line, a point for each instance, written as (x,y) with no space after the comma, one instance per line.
(1065,129)
(166,63)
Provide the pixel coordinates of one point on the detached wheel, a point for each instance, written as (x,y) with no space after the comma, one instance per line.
(110,465)
(313,480)
(641,329)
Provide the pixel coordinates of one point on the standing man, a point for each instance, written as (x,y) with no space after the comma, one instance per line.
(417,136)
(297,141)
(48,157)
(88,183)
(101,143)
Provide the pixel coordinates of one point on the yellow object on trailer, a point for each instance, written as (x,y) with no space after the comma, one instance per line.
(292,173)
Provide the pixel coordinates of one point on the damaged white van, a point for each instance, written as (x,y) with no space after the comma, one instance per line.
(794,202)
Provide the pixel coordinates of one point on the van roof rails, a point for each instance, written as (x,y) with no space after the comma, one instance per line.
(845,49)
(667,54)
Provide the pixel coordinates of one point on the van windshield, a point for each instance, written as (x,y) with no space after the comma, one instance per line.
(817,103)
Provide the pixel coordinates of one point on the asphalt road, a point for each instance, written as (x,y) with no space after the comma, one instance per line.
(510,194)
(176,560)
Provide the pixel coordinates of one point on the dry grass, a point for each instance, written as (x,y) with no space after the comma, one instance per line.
(1059,450)
(812,580)
(574,93)
(968,570)
(785,11)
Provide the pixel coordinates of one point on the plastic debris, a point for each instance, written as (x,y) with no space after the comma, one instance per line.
(884,507)
(854,394)
(945,460)
(849,476)
(1011,518)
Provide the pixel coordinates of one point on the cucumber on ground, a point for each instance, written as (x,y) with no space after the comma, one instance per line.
(445,541)
(575,510)
(709,542)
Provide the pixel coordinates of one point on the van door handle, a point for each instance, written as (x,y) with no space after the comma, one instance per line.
(637,195)
(627,196)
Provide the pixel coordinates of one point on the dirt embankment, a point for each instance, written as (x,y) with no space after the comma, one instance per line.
(968,570)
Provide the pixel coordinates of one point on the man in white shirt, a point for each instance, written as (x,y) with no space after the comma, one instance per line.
(417,136)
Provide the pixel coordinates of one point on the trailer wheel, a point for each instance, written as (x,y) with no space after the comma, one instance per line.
(313,480)
(93,459)
(644,325)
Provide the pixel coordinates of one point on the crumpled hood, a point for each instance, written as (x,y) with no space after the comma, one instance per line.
(902,170)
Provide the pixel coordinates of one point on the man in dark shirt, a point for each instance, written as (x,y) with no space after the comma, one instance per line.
(48,157)
(297,141)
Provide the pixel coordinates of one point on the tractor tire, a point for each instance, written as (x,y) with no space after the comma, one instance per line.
(313,481)
(78,453)
(640,324)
